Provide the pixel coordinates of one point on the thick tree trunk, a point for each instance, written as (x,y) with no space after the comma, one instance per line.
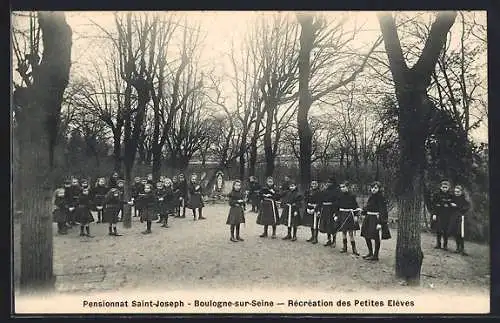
(242,153)
(117,151)
(411,91)
(305,101)
(46,96)
(268,145)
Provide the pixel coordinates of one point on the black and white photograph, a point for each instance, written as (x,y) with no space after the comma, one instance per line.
(244,162)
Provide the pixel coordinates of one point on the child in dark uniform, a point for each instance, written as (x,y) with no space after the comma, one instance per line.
(375,221)
(83,215)
(311,217)
(113,203)
(74,193)
(136,189)
(236,212)
(183,196)
(148,201)
(98,196)
(195,200)
(347,218)
(253,193)
(171,198)
(160,205)
(441,213)
(329,207)
(268,214)
(120,185)
(113,180)
(460,207)
(291,204)
(60,211)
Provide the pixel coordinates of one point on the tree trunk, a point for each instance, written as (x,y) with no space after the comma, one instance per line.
(305,101)
(117,151)
(411,91)
(243,151)
(268,145)
(252,161)
(35,172)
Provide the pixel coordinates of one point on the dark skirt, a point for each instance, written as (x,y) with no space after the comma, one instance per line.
(294,219)
(59,215)
(110,214)
(369,227)
(98,201)
(326,222)
(442,224)
(195,202)
(345,222)
(236,215)
(83,215)
(308,217)
(148,214)
(268,213)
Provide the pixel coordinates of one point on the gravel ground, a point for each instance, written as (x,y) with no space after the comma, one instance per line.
(198,255)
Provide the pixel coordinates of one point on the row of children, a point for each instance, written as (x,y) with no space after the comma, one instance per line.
(75,201)
(335,209)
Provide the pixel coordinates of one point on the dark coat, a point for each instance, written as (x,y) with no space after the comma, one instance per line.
(83,215)
(237,207)
(329,207)
(60,213)
(113,204)
(345,220)
(459,212)
(441,207)
(312,205)
(98,196)
(268,213)
(253,192)
(195,200)
(148,205)
(376,204)
(291,203)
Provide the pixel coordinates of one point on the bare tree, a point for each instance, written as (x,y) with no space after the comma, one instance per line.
(330,69)
(411,91)
(38,107)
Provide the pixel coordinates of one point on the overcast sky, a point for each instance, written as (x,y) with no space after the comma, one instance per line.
(220,28)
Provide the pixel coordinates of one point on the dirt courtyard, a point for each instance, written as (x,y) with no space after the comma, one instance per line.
(198,255)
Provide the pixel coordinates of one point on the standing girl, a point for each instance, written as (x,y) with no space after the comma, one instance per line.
(268,214)
(311,218)
(147,201)
(160,205)
(195,200)
(291,204)
(236,212)
(136,189)
(83,215)
(441,213)
(347,219)
(113,203)
(183,195)
(171,199)
(60,211)
(375,220)
(329,206)
(98,196)
(460,207)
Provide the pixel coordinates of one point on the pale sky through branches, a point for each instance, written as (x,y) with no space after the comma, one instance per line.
(221,30)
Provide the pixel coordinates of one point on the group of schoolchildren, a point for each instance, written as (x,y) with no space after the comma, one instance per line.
(169,197)
(335,209)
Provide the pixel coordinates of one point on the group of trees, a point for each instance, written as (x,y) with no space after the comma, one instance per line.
(296,85)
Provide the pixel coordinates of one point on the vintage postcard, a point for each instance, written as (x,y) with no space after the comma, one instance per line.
(172,162)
